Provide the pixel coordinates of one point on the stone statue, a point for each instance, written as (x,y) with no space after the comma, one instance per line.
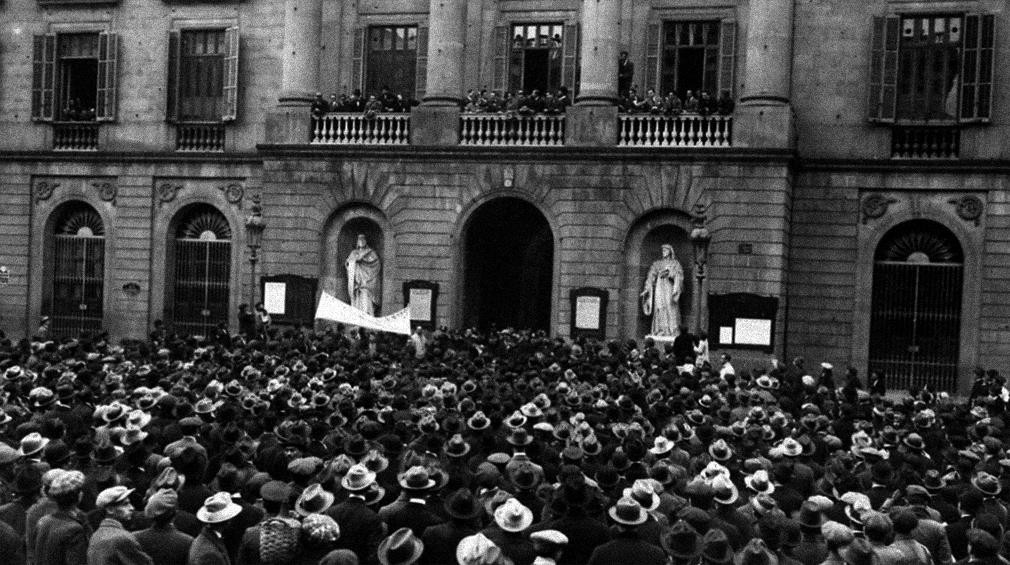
(661,296)
(363,270)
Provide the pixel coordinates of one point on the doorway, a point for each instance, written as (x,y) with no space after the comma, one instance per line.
(508,254)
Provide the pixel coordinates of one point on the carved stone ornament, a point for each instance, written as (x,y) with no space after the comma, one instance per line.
(44,190)
(166,192)
(106,190)
(969,208)
(875,206)
(233,192)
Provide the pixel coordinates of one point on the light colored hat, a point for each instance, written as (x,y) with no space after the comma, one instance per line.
(66,481)
(759,482)
(112,496)
(553,537)
(661,446)
(358,477)
(643,493)
(161,502)
(513,516)
(477,550)
(314,500)
(218,508)
(32,444)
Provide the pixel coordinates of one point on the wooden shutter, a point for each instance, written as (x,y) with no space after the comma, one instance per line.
(172,82)
(571,58)
(651,59)
(43,76)
(108,70)
(884,68)
(231,41)
(500,70)
(977,67)
(727,57)
(357,61)
(421,74)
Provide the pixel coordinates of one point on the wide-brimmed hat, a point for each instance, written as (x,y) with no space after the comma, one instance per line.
(415,478)
(525,477)
(462,505)
(477,550)
(720,450)
(681,541)
(512,516)
(132,435)
(755,553)
(759,482)
(810,515)
(914,441)
(519,437)
(724,491)
(218,508)
(358,477)
(628,511)
(716,548)
(643,493)
(457,447)
(986,484)
(42,397)
(400,548)
(479,421)
(790,447)
(661,446)
(314,500)
(32,444)
(933,480)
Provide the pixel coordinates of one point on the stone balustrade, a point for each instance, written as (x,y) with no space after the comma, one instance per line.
(200,137)
(685,130)
(360,129)
(505,129)
(75,136)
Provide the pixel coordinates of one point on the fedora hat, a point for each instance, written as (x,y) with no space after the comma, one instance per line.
(218,508)
(759,482)
(457,447)
(716,548)
(479,421)
(986,484)
(525,477)
(32,444)
(790,447)
(643,493)
(519,437)
(314,500)
(755,553)
(512,516)
(933,480)
(415,478)
(400,548)
(810,515)
(720,450)
(462,505)
(681,541)
(358,478)
(914,441)
(661,446)
(724,491)
(628,511)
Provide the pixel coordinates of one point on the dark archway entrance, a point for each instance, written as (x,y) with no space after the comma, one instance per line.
(508,254)
(915,318)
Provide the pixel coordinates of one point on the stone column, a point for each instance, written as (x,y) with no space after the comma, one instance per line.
(436,120)
(764,117)
(289,121)
(592,121)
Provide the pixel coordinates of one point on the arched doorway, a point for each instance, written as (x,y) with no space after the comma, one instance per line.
(347,240)
(508,255)
(198,270)
(915,315)
(76,270)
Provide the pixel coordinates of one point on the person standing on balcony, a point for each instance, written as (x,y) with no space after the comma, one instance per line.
(625,74)
(725,104)
(320,106)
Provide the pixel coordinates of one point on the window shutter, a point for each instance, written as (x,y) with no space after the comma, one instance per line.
(651,59)
(172,83)
(357,61)
(571,57)
(231,41)
(884,68)
(727,56)
(977,68)
(108,70)
(502,47)
(421,80)
(43,76)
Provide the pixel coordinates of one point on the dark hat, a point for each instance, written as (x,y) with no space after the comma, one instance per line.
(314,500)
(914,441)
(986,484)
(716,547)
(519,437)
(415,478)
(681,541)
(933,480)
(401,548)
(628,512)
(525,477)
(810,515)
(756,553)
(457,446)
(462,505)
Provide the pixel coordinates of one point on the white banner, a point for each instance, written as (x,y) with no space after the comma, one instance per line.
(330,308)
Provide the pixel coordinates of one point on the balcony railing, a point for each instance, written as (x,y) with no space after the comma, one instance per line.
(75,136)
(358,129)
(200,137)
(691,130)
(925,142)
(504,129)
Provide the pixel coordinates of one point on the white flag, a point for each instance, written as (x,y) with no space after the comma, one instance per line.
(333,309)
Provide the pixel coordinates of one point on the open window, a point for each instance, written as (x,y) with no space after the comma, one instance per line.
(390,62)
(536,56)
(691,55)
(74,77)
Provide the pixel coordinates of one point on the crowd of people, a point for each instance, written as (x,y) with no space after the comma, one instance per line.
(355,103)
(701,103)
(505,448)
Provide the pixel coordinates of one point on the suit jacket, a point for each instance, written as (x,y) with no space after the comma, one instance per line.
(12,546)
(361,530)
(208,549)
(61,538)
(584,534)
(628,549)
(166,546)
(413,515)
(440,542)
(111,544)
(33,519)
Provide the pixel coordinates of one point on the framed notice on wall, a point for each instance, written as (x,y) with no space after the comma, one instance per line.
(742,321)
(422,299)
(289,299)
(589,312)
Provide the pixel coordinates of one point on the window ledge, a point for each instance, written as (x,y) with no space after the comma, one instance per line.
(77,2)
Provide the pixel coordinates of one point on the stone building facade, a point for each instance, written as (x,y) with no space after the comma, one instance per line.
(875,242)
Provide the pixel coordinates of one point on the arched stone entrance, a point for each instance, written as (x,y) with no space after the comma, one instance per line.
(508,263)
(642,247)
(340,237)
(915,317)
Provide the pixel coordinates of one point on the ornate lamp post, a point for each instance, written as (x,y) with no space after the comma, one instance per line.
(700,239)
(254,226)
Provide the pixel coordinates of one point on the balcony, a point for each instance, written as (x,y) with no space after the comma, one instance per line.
(690,130)
(505,129)
(359,129)
(75,136)
(925,142)
(200,137)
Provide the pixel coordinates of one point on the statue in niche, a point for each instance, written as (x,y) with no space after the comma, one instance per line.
(363,271)
(661,295)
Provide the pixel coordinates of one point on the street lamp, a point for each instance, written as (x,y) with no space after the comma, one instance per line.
(254,226)
(700,239)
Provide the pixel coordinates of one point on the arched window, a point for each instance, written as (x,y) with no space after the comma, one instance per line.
(198,270)
(915,319)
(76,270)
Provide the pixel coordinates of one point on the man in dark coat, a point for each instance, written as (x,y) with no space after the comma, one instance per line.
(162,541)
(275,496)
(440,540)
(62,537)
(208,548)
(111,543)
(361,529)
(626,547)
(413,513)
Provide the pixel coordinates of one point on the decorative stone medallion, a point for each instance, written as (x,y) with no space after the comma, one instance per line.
(969,208)
(875,206)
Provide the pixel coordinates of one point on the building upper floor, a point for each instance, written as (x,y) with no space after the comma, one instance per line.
(833,79)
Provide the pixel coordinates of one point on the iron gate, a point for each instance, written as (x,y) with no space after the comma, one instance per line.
(915,323)
(200,298)
(78,284)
